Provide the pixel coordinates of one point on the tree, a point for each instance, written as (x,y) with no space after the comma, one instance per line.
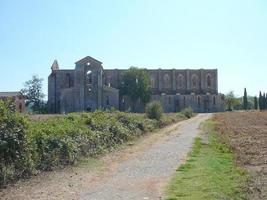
(260,101)
(245,100)
(135,84)
(33,92)
(264,101)
(255,103)
(231,100)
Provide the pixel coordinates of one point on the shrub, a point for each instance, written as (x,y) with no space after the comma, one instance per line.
(14,152)
(56,141)
(187,112)
(28,146)
(64,139)
(154,110)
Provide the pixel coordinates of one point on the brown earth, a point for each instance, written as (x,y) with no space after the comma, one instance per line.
(246,132)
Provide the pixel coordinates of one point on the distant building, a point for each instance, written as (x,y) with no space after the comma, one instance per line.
(89,87)
(17,98)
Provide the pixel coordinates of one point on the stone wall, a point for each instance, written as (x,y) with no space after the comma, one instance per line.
(18,100)
(173,81)
(176,103)
(89,87)
(58,80)
(110,98)
(81,89)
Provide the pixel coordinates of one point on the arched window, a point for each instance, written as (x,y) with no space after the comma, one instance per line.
(166,81)
(180,81)
(177,103)
(152,82)
(169,100)
(108,80)
(68,83)
(208,80)
(214,100)
(89,78)
(198,100)
(194,81)
(184,102)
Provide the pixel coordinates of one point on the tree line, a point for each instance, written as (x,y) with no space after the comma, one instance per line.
(246,102)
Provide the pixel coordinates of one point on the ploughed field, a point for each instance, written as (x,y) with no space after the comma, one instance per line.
(246,132)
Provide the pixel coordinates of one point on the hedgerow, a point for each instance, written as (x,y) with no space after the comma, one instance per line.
(15,156)
(31,146)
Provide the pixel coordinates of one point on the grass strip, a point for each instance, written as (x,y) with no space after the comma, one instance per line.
(209,173)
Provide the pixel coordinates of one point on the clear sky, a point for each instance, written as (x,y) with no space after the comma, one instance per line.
(230,35)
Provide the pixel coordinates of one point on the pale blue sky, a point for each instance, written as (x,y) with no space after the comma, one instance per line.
(230,35)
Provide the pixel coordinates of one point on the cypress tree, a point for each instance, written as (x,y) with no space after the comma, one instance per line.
(245,100)
(255,103)
(260,101)
(264,101)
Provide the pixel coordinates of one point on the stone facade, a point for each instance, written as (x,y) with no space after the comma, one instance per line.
(89,87)
(17,98)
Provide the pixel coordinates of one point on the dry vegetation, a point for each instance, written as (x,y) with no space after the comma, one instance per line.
(246,132)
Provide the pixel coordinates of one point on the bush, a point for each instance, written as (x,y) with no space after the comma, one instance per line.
(154,110)
(57,141)
(187,112)
(14,152)
(29,146)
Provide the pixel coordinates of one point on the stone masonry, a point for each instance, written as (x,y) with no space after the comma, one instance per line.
(89,87)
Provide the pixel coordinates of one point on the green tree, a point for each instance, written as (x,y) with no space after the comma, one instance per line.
(231,100)
(245,100)
(135,84)
(33,92)
(260,101)
(256,103)
(264,101)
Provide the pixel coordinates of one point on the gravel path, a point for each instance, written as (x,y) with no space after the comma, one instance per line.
(139,170)
(145,176)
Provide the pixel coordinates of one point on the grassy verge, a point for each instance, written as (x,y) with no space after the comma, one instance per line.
(209,173)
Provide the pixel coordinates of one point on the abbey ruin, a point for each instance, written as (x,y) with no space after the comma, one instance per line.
(89,87)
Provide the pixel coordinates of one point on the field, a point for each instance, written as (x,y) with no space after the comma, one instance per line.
(246,133)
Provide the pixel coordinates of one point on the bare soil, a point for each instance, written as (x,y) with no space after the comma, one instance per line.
(246,132)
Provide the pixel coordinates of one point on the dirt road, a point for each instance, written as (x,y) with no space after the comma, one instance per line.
(138,171)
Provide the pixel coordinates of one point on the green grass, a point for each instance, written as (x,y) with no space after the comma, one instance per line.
(209,173)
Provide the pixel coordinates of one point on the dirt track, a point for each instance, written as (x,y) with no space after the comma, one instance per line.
(138,171)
